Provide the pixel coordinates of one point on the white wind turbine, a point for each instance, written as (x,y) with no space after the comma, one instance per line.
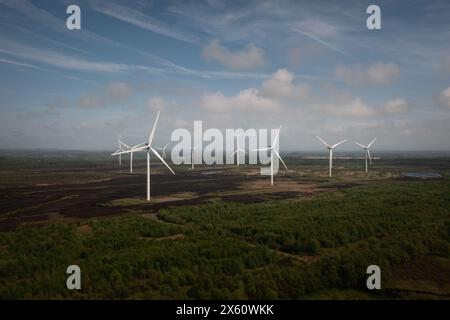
(192,157)
(128,148)
(367,153)
(237,150)
(148,146)
(330,149)
(118,152)
(272,152)
(163,150)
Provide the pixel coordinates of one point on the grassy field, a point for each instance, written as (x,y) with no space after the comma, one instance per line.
(309,248)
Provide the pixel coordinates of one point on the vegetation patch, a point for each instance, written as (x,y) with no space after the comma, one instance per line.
(284,249)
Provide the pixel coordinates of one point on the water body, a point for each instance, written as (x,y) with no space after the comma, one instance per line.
(422,175)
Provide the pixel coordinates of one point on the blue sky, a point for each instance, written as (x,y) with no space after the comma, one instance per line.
(311,66)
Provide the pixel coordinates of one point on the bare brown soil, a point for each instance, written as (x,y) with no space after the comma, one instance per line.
(122,192)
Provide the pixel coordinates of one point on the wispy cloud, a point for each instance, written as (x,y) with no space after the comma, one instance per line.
(20,64)
(55,59)
(41,17)
(70,62)
(141,20)
(322,42)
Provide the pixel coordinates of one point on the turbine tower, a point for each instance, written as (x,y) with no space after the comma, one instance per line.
(330,149)
(118,152)
(367,152)
(127,148)
(237,150)
(148,146)
(192,157)
(272,152)
(120,156)
(121,149)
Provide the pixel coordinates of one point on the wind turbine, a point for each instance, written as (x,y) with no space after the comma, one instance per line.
(128,148)
(148,146)
(237,150)
(330,149)
(192,157)
(163,149)
(118,152)
(367,153)
(272,152)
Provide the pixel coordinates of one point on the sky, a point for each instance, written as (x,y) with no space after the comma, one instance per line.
(312,67)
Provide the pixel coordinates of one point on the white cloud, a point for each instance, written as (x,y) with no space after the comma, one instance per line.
(245,100)
(396,106)
(444,98)
(155,104)
(354,107)
(280,92)
(119,90)
(249,58)
(378,73)
(90,100)
(277,92)
(281,85)
(111,93)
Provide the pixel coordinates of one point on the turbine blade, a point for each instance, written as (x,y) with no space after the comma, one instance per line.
(360,145)
(138,145)
(321,140)
(162,160)
(234,152)
(262,149)
(131,150)
(279,157)
(124,144)
(370,144)
(335,145)
(276,137)
(152,133)
(166,145)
